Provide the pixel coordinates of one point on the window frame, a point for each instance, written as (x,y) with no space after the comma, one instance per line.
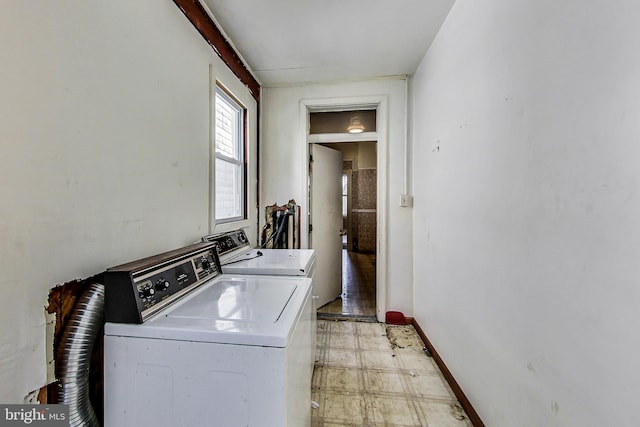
(242,147)
(345,195)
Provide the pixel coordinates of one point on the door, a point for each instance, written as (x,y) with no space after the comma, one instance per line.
(326,221)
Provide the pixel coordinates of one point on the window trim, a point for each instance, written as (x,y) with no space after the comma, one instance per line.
(220,90)
(345,195)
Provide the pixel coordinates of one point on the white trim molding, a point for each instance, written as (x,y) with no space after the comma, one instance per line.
(381,136)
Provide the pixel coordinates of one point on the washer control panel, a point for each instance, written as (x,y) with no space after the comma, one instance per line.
(137,290)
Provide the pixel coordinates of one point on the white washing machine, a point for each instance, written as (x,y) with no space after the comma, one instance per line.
(238,257)
(187,346)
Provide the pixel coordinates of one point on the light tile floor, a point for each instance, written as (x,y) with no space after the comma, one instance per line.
(372,374)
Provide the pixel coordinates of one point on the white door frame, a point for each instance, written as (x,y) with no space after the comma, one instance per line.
(380,104)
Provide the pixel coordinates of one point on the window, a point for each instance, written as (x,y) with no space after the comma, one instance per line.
(230,187)
(345,182)
(340,121)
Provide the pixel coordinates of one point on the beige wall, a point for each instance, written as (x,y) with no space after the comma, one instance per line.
(367,155)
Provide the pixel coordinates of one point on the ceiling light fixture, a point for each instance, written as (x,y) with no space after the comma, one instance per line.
(355,126)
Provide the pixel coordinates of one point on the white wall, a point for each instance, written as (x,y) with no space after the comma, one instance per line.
(283,172)
(104,153)
(526,218)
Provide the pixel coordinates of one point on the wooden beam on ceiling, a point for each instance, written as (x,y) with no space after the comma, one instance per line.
(198,16)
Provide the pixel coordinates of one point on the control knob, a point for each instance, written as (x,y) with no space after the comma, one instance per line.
(147,292)
(206,265)
(162,284)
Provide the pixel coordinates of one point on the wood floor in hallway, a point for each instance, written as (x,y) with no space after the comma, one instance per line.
(358,297)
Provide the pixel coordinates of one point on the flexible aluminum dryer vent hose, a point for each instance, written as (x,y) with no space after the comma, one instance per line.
(74,356)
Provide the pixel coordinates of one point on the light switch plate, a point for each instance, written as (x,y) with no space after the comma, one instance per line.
(406,201)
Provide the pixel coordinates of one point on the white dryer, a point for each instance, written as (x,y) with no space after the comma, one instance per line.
(187,346)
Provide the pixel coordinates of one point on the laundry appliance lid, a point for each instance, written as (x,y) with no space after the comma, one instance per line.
(283,262)
(231,309)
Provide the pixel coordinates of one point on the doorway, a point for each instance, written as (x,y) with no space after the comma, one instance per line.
(349,169)
(379,104)
(358,233)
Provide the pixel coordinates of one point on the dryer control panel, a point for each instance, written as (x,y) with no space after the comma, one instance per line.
(229,242)
(139,289)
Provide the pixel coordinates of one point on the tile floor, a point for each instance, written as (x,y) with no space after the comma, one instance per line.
(372,374)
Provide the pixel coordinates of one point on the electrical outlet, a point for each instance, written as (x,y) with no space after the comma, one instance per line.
(406,201)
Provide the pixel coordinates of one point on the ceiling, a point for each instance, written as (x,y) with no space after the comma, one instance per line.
(300,41)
